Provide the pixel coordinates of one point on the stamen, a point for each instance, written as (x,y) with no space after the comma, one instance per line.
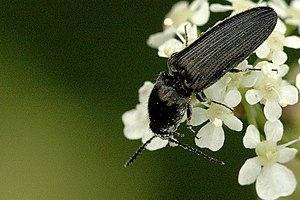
(180,37)
(269,86)
(290,143)
(277,94)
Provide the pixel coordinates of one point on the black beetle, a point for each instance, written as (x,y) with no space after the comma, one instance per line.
(201,64)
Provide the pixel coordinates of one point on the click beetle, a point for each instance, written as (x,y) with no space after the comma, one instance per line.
(198,66)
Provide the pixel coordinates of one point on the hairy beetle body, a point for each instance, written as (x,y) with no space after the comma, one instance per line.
(167,105)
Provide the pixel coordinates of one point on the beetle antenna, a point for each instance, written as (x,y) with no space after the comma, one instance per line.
(196,151)
(185,36)
(138,152)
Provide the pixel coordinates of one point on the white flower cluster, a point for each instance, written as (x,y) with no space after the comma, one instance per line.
(262,83)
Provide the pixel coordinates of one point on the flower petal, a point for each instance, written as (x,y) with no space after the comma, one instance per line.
(249,79)
(157,39)
(169,47)
(275,181)
(272,110)
(280,7)
(210,137)
(279,57)
(249,171)
(233,122)
(283,70)
(263,50)
(156,143)
(144,91)
(253,96)
(286,154)
(216,91)
(136,123)
(280,27)
(292,42)
(273,130)
(216,7)
(233,98)
(251,138)
(199,116)
(290,93)
(201,16)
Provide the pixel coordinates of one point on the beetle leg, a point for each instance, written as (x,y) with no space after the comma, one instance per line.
(188,121)
(185,36)
(234,70)
(200,97)
(222,104)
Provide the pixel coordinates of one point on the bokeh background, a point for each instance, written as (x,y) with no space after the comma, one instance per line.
(68,70)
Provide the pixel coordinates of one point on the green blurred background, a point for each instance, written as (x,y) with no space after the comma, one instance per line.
(69,69)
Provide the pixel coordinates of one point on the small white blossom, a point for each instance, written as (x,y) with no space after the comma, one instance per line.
(211,135)
(169,47)
(244,78)
(280,7)
(136,121)
(197,13)
(157,39)
(236,6)
(272,48)
(181,13)
(273,180)
(288,12)
(173,45)
(293,14)
(272,91)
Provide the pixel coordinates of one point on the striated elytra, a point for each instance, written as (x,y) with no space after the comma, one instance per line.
(222,48)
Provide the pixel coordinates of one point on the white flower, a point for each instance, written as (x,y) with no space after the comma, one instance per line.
(273,180)
(173,45)
(272,48)
(136,121)
(280,7)
(169,47)
(288,12)
(211,135)
(293,14)
(157,39)
(181,13)
(244,78)
(197,13)
(236,6)
(272,91)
